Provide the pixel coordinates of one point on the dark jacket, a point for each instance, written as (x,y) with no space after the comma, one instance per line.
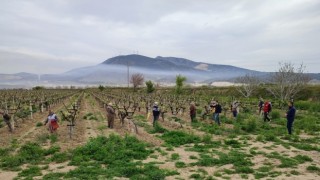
(218,108)
(156,111)
(261,104)
(6,117)
(192,110)
(291,113)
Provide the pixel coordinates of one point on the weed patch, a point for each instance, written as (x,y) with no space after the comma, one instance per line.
(178,138)
(30,172)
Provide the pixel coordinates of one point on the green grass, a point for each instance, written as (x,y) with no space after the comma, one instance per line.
(180,164)
(233,143)
(60,157)
(119,154)
(30,172)
(313,168)
(175,156)
(237,158)
(53,138)
(31,153)
(158,129)
(195,176)
(287,162)
(178,138)
(193,157)
(90,116)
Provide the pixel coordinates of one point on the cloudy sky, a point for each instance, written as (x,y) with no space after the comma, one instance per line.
(54,36)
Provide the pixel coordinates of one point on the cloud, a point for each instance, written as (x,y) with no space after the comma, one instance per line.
(250,34)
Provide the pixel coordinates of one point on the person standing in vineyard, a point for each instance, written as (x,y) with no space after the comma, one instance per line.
(234,109)
(260,105)
(52,121)
(6,118)
(290,116)
(217,111)
(111,115)
(266,110)
(193,112)
(205,112)
(155,112)
(163,111)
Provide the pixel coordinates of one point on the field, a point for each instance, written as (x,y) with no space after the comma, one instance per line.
(176,148)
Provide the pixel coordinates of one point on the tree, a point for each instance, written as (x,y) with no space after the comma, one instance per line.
(179,83)
(101,88)
(288,81)
(248,84)
(150,86)
(38,88)
(137,80)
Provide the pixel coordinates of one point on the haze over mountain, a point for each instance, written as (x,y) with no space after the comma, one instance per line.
(114,72)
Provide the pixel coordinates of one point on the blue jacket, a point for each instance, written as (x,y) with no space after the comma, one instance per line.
(291,113)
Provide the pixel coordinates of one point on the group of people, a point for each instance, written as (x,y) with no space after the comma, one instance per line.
(265,108)
(215,108)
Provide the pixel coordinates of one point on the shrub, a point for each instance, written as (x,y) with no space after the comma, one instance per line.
(39,124)
(275,114)
(303,105)
(250,125)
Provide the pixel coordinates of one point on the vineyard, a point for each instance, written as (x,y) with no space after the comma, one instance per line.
(175,148)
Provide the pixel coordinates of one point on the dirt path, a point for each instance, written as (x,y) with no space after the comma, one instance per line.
(26,129)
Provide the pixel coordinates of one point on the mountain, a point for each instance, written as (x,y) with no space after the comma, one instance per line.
(114,71)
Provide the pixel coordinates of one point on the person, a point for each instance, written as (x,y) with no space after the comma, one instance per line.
(193,111)
(52,121)
(260,105)
(155,112)
(266,110)
(290,116)
(205,112)
(234,108)
(110,115)
(6,118)
(217,111)
(163,111)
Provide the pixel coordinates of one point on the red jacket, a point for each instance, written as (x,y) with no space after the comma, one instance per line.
(267,107)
